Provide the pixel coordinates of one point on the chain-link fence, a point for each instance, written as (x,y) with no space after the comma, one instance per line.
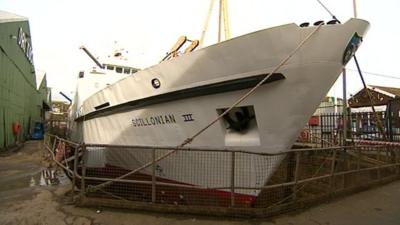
(222,181)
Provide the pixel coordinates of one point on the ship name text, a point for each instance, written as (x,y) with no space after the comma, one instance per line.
(153,120)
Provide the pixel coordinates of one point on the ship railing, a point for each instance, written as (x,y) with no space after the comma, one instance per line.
(218,185)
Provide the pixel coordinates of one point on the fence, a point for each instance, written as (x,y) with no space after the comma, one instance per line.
(219,182)
(327,129)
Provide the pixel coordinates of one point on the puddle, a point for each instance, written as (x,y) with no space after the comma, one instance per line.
(50,177)
(41,177)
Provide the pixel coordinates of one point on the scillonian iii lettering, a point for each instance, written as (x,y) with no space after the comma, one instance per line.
(153,120)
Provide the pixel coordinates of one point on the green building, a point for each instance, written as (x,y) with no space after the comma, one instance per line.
(22,100)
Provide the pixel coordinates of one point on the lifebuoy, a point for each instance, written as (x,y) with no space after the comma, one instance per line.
(16,128)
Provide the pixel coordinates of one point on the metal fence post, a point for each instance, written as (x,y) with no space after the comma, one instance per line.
(396,155)
(358,158)
(75,168)
(345,165)
(296,175)
(387,158)
(333,165)
(153,177)
(46,140)
(322,130)
(83,166)
(379,164)
(232,179)
(54,144)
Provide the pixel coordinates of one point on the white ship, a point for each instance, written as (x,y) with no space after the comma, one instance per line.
(115,67)
(166,103)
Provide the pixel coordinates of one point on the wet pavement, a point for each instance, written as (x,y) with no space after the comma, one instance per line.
(33,192)
(25,169)
(37,176)
(26,175)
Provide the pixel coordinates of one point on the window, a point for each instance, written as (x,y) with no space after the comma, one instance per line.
(110,67)
(133,71)
(127,70)
(119,69)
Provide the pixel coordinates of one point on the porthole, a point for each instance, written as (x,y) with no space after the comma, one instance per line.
(155,83)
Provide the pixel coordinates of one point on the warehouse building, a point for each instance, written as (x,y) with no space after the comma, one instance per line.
(22,100)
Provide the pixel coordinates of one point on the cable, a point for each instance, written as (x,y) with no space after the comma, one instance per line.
(377,74)
(333,16)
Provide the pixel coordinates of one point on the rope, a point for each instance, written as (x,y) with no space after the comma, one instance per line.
(189,140)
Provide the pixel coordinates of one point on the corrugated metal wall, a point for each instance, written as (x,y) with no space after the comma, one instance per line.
(19,100)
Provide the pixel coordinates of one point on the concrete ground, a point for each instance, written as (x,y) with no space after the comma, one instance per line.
(23,201)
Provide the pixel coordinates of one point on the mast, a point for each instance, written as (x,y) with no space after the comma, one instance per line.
(223,21)
(220,20)
(355,8)
(226,19)
(203,33)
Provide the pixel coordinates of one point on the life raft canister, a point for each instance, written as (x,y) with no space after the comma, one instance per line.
(16,128)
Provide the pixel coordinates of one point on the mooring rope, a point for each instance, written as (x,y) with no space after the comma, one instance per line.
(189,140)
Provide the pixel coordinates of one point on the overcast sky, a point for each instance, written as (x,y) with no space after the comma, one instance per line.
(148,29)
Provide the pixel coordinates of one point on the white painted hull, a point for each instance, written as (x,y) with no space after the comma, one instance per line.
(281,107)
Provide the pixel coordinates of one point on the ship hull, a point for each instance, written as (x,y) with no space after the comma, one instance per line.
(183,100)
